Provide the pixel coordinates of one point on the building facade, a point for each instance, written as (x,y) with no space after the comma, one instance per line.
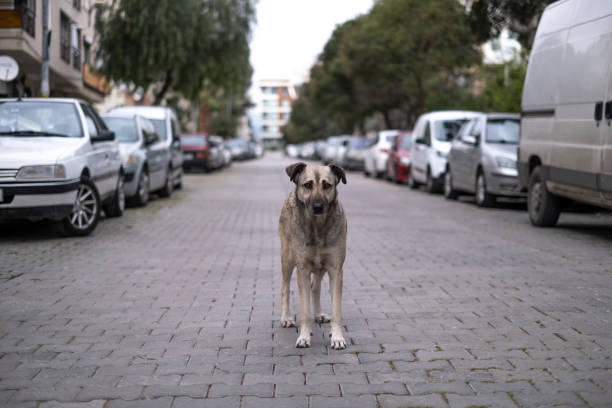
(273,100)
(71,52)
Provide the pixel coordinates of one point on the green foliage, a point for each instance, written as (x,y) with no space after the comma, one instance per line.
(504,88)
(224,125)
(177,45)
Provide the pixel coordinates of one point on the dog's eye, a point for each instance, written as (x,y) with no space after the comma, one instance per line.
(326,185)
(308,185)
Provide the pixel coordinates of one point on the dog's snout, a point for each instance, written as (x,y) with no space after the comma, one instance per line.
(317,206)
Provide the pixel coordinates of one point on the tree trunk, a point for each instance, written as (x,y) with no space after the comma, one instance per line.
(168,80)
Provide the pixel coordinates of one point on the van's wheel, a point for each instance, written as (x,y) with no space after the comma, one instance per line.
(449,192)
(544,208)
(85,212)
(412,183)
(144,189)
(166,191)
(483,197)
(430,184)
(116,206)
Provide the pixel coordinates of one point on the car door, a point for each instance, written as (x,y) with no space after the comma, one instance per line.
(474,153)
(156,154)
(102,161)
(605,177)
(175,146)
(457,157)
(420,152)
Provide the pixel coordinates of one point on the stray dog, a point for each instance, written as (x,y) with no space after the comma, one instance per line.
(312,228)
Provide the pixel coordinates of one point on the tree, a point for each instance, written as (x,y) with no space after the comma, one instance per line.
(489,17)
(176,46)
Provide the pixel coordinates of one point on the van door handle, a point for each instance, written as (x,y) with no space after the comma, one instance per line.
(609,110)
(598,111)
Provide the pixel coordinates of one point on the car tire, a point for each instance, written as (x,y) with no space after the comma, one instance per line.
(85,212)
(544,208)
(166,190)
(412,183)
(483,197)
(116,206)
(430,184)
(144,189)
(449,192)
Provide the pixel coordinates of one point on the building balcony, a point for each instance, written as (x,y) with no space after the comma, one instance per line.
(18,14)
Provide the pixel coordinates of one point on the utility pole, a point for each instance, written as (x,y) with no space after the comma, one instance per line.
(46,38)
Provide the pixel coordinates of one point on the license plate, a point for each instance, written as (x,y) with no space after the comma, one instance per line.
(188,156)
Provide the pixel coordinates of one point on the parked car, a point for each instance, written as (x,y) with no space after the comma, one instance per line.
(398,165)
(431,142)
(258,149)
(320,146)
(166,124)
(60,162)
(565,149)
(239,149)
(219,143)
(197,152)
(375,158)
(332,147)
(308,151)
(353,157)
(482,159)
(145,159)
(292,151)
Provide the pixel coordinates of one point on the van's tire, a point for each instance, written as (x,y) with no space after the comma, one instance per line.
(88,199)
(430,185)
(412,183)
(449,192)
(544,208)
(166,190)
(482,196)
(144,189)
(116,205)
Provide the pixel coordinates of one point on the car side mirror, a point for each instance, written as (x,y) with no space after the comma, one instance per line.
(103,136)
(150,138)
(419,141)
(469,139)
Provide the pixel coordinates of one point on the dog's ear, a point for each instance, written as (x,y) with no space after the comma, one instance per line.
(338,172)
(294,171)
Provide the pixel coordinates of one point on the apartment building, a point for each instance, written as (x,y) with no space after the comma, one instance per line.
(71,53)
(273,100)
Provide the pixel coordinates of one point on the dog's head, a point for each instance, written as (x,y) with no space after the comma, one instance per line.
(316,185)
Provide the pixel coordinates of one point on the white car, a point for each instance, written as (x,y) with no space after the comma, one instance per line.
(431,142)
(376,156)
(59,161)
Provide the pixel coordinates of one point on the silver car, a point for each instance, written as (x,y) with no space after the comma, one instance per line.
(482,159)
(145,159)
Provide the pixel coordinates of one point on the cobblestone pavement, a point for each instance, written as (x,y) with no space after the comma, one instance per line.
(178,304)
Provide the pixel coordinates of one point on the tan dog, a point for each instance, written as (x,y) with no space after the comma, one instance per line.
(312,227)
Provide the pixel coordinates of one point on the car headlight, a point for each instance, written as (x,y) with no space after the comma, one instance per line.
(505,163)
(405,160)
(53,171)
(130,159)
(441,154)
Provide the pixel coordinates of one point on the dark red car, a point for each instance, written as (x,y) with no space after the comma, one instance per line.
(398,164)
(196,151)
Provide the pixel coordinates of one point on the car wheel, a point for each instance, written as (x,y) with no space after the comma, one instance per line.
(483,197)
(544,208)
(85,212)
(166,191)
(430,183)
(144,189)
(449,192)
(412,183)
(116,206)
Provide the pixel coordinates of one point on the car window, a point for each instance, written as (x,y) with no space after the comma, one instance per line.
(406,141)
(92,128)
(193,140)
(503,131)
(476,129)
(446,130)
(160,128)
(175,130)
(125,129)
(427,134)
(39,116)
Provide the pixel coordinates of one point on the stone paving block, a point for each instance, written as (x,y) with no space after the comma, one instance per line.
(293,402)
(295,379)
(292,390)
(494,400)
(194,391)
(165,402)
(397,401)
(224,390)
(98,392)
(449,388)
(597,399)
(316,379)
(225,402)
(90,404)
(396,388)
(364,401)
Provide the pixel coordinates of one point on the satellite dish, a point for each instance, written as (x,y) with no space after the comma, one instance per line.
(8,68)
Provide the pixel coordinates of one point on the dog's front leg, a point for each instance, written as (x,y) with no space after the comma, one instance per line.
(316,299)
(287,265)
(303,276)
(335,286)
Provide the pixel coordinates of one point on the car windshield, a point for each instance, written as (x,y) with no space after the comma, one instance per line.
(446,130)
(193,140)
(503,131)
(237,143)
(125,129)
(160,127)
(406,141)
(24,118)
(358,143)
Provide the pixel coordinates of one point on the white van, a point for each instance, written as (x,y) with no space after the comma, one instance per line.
(565,148)
(431,143)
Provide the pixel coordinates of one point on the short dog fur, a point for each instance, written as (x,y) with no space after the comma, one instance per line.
(312,228)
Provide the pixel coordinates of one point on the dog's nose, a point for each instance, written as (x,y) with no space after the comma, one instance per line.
(317,207)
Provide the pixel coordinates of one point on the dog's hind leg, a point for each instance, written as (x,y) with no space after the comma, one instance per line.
(316,298)
(305,322)
(287,265)
(335,287)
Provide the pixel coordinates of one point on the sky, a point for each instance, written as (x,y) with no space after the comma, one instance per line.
(289,34)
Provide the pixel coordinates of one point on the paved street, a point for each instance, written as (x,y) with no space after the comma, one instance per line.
(178,304)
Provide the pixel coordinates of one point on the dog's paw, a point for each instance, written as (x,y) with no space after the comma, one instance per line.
(322,318)
(287,323)
(302,342)
(338,343)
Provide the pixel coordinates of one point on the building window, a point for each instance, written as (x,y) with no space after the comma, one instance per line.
(75,40)
(65,38)
(27,10)
(76,4)
(86,53)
